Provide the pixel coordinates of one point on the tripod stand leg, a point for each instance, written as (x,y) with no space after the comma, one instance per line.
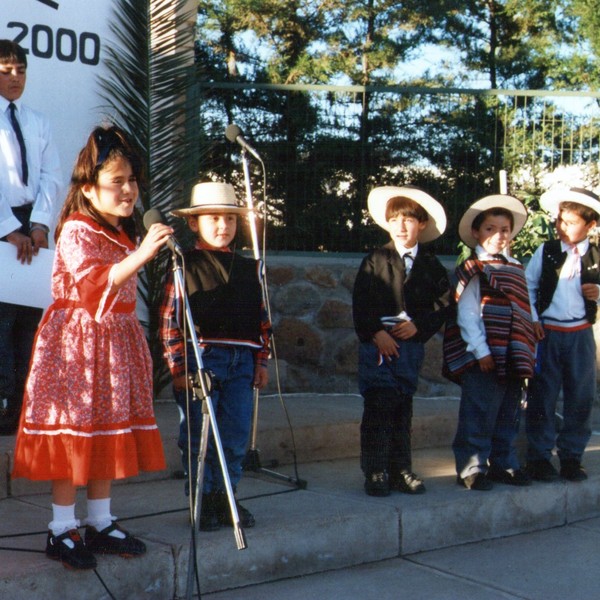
(196,491)
(252,461)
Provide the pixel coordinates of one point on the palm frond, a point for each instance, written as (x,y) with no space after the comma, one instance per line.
(147,92)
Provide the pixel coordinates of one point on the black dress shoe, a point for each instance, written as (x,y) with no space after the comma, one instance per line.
(477,481)
(571,470)
(408,483)
(69,548)
(542,470)
(246,518)
(377,484)
(209,515)
(123,544)
(509,476)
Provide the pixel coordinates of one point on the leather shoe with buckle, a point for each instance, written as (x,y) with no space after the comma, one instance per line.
(408,483)
(377,484)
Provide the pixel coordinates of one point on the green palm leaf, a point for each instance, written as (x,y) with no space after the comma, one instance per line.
(148,93)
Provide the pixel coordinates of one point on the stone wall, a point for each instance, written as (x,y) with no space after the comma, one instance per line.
(315,343)
(311,308)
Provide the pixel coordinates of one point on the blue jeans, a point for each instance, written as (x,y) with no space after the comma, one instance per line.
(488,423)
(18,325)
(566,360)
(233,401)
(400,374)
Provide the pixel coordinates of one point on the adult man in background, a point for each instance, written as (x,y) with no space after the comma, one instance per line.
(30,182)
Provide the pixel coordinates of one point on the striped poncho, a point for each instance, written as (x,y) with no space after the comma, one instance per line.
(506,317)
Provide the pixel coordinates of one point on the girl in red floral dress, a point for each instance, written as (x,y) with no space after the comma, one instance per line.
(88,414)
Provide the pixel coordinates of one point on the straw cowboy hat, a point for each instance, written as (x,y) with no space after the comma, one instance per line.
(550,200)
(379,197)
(513,205)
(212,197)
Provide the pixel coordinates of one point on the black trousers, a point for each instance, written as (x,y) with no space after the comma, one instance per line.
(385,432)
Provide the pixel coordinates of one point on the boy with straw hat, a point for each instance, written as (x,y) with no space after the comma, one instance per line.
(398,304)
(563,277)
(489,350)
(225,296)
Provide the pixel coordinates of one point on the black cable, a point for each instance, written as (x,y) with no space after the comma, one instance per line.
(300,483)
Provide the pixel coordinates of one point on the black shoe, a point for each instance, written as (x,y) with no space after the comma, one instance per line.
(478,481)
(209,514)
(516,477)
(408,483)
(68,547)
(246,518)
(102,542)
(377,484)
(571,470)
(542,470)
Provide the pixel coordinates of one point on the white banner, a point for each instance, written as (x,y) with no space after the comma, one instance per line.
(27,285)
(64,40)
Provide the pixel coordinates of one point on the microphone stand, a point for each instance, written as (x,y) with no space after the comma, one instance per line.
(252,460)
(201,389)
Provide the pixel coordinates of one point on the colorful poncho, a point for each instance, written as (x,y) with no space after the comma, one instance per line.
(506,316)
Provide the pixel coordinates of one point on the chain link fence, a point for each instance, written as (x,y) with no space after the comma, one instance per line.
(325,147)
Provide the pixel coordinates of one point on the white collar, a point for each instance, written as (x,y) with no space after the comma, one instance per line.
(4,104)
(403,250)
(483,254)
(582,247)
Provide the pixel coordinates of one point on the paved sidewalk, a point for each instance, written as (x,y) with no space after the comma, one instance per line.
(556,564)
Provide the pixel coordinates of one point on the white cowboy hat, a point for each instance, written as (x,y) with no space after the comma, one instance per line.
(550,200)
(379,197)
(212,197)
(510,203)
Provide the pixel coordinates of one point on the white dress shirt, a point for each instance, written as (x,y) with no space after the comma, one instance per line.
(45,176)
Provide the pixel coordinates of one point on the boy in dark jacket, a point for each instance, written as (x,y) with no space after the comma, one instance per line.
(399,302)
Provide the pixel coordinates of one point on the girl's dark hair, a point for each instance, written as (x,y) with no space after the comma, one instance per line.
(585,212)
(496,211)
(103,146)
(401,205)
(12,53)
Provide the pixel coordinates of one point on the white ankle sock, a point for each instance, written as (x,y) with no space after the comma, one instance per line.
(63,519)
(98,513)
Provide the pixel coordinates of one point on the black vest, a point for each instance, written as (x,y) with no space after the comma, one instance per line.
(553,258)
(224,294)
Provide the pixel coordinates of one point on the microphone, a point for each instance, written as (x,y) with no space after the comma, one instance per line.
(234,134)
(153,216)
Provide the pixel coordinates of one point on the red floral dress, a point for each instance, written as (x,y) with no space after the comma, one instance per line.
(88,411)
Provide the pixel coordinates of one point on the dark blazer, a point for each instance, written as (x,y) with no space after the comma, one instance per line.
(382,289)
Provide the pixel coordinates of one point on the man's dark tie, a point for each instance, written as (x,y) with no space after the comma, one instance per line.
(19,134)
(408,259)
(500,257)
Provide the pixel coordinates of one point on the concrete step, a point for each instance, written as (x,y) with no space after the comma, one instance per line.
(331,524)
